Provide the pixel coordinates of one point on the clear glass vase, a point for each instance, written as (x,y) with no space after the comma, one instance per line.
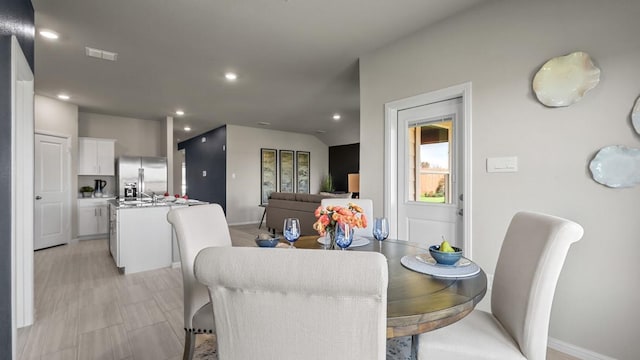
(330,240)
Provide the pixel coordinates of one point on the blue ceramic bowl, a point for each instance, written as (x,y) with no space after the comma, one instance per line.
(445,258)
(268,242)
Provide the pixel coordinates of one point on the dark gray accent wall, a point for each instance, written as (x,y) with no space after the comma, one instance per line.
(343,160)
(16,18)
(209,156)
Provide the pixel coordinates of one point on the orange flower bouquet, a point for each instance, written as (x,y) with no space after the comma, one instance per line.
(329,217)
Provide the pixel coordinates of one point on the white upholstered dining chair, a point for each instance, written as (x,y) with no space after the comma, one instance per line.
(295,303)
(197,227)
(531,258)
(367,208)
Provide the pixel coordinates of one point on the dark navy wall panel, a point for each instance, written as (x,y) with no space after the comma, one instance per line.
(16,18)
(343,160)
(209,156)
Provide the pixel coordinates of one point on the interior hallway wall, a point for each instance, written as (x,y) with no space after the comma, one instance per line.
(135,137)
(243,166)
(499,46)
(16,18)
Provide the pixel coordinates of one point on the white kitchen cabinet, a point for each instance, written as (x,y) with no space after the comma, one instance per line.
(96,156)
(93,217)
(142,239)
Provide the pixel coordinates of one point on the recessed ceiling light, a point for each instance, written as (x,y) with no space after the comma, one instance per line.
(64,97)
(179,112)
(264,123)
(336,116)
(231,76)
(49,34)
(186,128)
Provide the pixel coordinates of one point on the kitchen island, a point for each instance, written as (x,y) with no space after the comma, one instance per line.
(140,237)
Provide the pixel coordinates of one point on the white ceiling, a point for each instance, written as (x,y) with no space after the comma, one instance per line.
(297,60)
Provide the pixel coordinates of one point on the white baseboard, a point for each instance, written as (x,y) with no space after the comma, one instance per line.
(576,351)
(93,237)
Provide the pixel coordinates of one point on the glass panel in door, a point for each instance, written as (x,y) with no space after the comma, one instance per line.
(430,161)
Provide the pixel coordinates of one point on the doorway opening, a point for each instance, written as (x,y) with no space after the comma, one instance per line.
(22,198)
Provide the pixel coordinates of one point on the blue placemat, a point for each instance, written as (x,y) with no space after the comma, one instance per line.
(410,262)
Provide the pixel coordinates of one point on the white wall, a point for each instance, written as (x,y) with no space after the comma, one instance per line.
(61,118)
(498,47)
(243,162)
(135,137)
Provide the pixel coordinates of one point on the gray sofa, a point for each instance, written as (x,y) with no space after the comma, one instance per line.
(295,205)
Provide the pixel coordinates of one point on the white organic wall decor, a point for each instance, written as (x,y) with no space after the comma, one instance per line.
(616,166)
(564,80)
(635,116)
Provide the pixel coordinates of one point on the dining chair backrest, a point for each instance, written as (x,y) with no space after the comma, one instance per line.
(296,303)
(529,264)
(367,208)
(197,227)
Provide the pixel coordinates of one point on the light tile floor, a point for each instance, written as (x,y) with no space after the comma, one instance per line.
(86,309)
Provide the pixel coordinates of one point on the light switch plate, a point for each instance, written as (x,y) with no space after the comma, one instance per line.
(502,164)
(204,173)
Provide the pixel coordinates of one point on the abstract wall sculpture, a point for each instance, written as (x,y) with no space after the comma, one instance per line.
(564,80)
(616,166)
(635,116)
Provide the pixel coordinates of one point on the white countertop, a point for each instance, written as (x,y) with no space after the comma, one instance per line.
(136,204)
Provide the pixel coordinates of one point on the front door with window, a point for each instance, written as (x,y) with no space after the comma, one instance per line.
(429,174)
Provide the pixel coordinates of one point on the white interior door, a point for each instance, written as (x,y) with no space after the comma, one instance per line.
(428,167)
(428,173)
(52,204)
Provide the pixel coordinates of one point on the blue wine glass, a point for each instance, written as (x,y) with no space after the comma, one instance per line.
(380,229)
(291,230)
(344,236)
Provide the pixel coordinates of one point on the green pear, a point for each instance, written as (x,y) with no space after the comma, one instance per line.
(445,247)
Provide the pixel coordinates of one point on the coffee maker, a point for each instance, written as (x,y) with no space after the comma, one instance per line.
(130,190)
(99,187)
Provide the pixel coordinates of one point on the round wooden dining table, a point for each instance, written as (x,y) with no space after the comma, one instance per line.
(417,303)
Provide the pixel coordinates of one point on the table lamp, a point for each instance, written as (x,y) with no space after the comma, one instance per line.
(353,184)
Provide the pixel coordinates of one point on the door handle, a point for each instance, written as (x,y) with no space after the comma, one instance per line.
(38,197)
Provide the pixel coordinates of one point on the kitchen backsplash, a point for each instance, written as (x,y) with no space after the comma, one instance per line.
(90,180)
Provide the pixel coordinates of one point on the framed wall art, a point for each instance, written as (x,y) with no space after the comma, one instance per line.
(287,174)
(303,169)
(268,173)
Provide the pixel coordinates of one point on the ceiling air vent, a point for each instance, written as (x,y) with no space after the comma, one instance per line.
(101,54)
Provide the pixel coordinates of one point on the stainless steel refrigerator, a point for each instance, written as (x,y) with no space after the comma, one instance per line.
(147,174)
